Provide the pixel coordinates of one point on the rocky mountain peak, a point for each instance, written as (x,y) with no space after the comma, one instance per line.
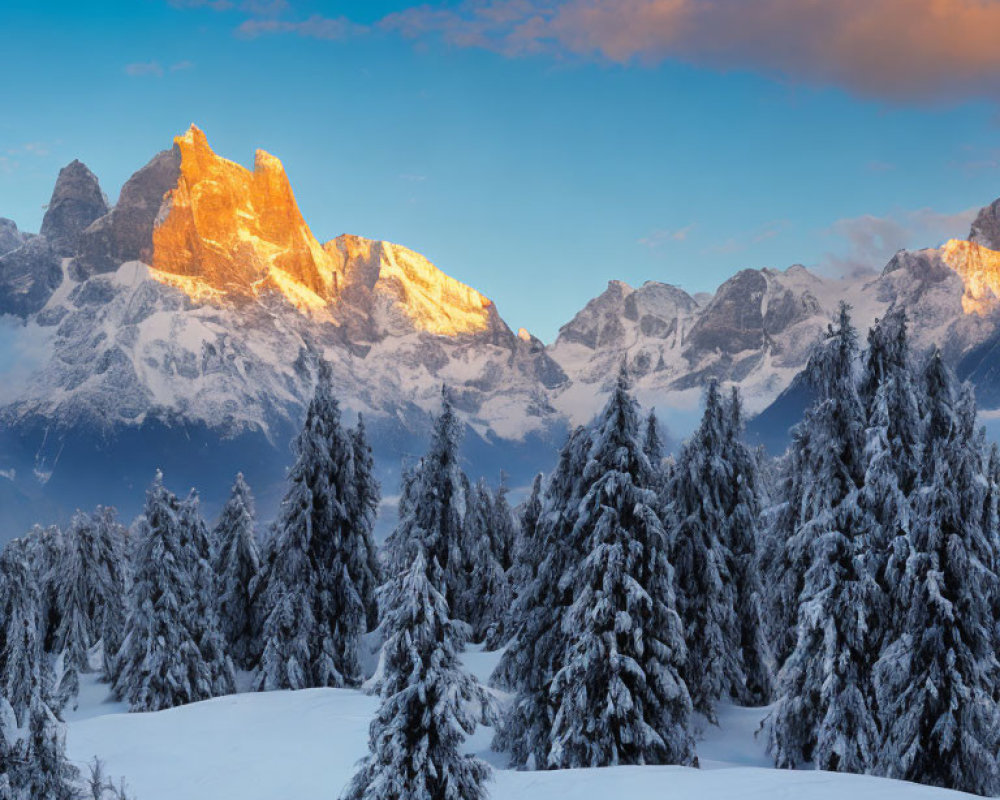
(986,228)
(77,200)
(225,230)
(10,237)
(126,232)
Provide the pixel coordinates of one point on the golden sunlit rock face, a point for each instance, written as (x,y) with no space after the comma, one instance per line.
(979,268)
(226,233)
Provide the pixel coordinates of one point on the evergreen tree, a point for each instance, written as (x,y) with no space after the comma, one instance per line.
(937,680)
(618,695)
(428,701)
(44,770)
(652,442)
(825,711)
(24,668)
(526,547)
(824,465)
(237,566)
(893,450)
(535,654)
(162,662)
(364,509)
(699,517)
(503,530)
(201,613)
(740,538)
(433,509)
(91,592)
(488,596)
(316,611)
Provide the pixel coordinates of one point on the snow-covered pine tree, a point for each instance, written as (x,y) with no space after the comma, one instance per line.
(502,525)
(526,548)
(893,450)
(237,566)
(432,514)
(91,589)
(825,711)
(112,542)
(535,653)
(937,681)
(428,702)
(364,508)
(43,771)
(698,515)
(504,534)
(816,478)
(618,696)
(202,614)
(488,596)
(314,604)
(24,667)
(162,660)
(740,537)
(42,552)
(652,441)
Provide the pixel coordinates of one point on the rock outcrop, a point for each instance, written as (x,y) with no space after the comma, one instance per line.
(10,237)
(77,201)
(28,276)
(126,232)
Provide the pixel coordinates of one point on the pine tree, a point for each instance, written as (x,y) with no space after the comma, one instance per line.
(428,702)
(825,709)
(893,449)
(503,529)
(740,537)
(24,668)
(535,654)
(201,612)
(432,513)
(237,566)
(699,517)
(937,681)
(91,593)
(487,594)
(825,464)
(45,771)
(315,588)
(162,662)
(526,549)
(364,509)
(618,696)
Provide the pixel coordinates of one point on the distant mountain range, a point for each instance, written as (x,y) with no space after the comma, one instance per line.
(181,329)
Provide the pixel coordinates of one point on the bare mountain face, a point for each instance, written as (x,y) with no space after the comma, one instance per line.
(182,327)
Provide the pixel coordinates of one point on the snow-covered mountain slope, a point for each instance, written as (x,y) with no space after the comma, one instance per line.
(191,315)
(305,745)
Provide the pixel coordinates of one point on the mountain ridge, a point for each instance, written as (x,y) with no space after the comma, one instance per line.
(201,300)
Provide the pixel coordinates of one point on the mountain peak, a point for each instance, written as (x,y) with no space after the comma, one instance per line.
(77,200)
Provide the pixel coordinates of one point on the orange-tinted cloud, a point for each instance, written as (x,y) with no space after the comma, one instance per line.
(896,49)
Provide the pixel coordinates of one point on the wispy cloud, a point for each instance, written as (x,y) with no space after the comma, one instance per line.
(315,27)
(903,50)
(738,244)
(664,236)
(866,243)
(154,69)
(141,69)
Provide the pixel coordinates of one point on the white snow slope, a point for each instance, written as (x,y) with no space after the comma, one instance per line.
(304,746)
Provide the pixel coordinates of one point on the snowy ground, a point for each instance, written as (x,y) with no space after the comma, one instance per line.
(304,746)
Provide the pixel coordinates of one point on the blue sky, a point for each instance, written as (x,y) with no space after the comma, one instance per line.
(533,166)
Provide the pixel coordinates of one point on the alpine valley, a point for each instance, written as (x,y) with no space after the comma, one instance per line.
(181,329)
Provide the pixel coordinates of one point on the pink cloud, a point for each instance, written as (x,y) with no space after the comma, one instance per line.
(898,49)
